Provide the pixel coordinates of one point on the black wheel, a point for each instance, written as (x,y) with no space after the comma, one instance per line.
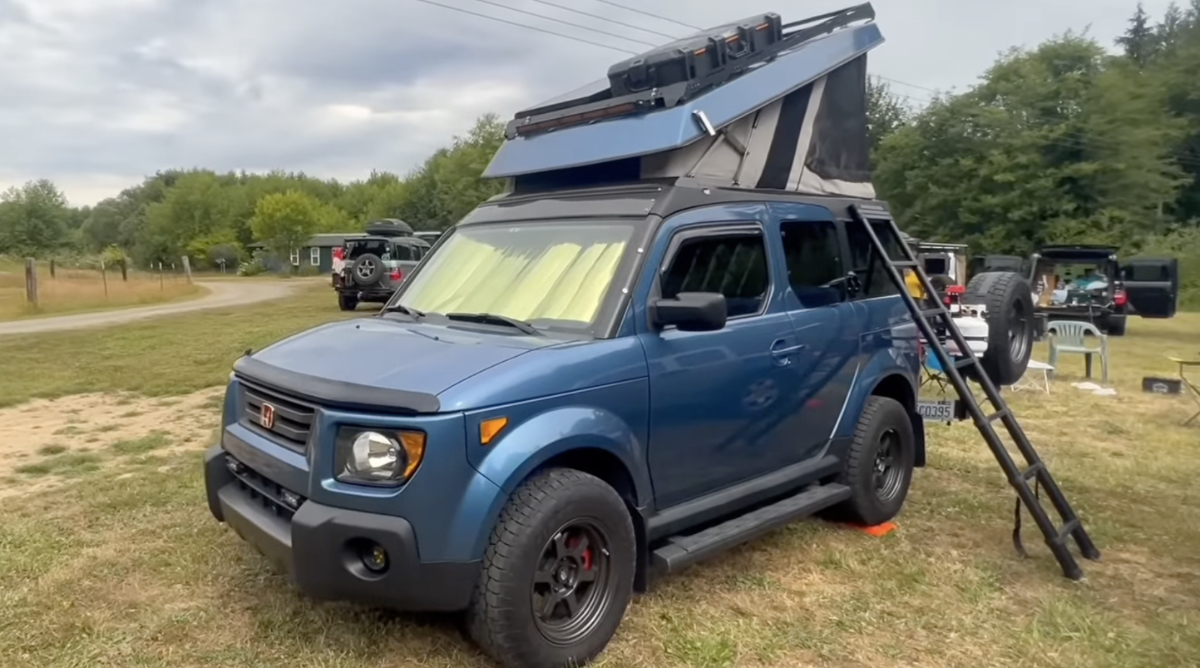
(1116,325)
(347,302)
(1010,318)
(557,575)
(879,466)
(367,269)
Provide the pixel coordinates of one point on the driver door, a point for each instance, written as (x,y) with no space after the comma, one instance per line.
(1152,286)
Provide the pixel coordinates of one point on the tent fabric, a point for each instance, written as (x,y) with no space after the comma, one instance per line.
(813,140)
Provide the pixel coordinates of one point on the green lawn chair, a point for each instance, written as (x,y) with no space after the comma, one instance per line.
(1070,337)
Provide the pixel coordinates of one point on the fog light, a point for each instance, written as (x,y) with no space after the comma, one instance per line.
(292,499)
(235,467)
(375,558)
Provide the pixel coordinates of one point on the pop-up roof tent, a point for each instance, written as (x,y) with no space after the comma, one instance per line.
(751,104)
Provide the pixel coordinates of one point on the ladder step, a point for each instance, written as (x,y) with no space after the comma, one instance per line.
(1067,529)
(905,264)
(997,415)
(1032,471)
(965,362)
(930,312)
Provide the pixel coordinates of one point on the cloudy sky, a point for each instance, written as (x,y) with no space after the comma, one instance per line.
(94,94)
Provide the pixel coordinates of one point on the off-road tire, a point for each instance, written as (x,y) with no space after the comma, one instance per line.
(501,618)
(881,416)
(1004,293)
(347,302)
(1115,325)
(375,274)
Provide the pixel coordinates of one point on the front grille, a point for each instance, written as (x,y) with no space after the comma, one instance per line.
(293,420)
(263,490)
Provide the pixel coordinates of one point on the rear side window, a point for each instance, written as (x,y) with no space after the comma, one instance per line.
(401,252)
(936,265)
(814,262)
(735,266)
(866,263)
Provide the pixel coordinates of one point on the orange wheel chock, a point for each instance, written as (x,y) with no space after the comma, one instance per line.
(877,531)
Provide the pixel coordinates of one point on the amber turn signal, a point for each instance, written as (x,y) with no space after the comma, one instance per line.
(488,429)
(413,443)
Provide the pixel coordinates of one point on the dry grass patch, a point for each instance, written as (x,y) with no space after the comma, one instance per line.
(124,566)
(49,441)
(78,291)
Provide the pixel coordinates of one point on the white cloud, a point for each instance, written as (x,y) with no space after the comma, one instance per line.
(97,93)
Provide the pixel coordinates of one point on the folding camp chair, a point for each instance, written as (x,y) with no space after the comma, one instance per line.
(934,374)
(1192,390)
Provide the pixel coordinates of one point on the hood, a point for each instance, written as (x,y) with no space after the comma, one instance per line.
(380,363)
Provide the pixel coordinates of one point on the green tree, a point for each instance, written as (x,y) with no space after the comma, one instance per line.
(1139,41)
(195,207)
(1057,143)
(34,219)
(449,184)
(886,113)
(284,221)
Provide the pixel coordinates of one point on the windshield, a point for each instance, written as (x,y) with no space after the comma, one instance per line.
(546,274)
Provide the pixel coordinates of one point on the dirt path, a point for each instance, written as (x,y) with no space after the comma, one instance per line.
(221,294)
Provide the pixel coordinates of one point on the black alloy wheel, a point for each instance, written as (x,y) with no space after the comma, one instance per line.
(570,586)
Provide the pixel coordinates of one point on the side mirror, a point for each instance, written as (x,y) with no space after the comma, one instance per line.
(691,312)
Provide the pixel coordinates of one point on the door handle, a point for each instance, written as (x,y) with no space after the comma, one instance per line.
(779,350)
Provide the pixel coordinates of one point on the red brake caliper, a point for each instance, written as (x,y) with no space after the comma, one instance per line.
(587,555)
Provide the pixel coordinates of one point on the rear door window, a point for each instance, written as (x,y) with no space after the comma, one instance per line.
(814,262)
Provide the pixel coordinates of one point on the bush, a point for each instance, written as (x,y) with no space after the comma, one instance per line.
(252,267)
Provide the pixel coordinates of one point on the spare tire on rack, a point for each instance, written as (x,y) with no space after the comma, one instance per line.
(1009,314)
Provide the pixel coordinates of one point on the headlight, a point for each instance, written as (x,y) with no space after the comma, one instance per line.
(378,457)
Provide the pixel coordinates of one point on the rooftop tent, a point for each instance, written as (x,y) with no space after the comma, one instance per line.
(784,112)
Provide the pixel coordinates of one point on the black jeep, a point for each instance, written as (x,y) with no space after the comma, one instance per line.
(1089,283)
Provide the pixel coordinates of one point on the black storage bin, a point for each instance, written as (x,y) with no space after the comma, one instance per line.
(698,57)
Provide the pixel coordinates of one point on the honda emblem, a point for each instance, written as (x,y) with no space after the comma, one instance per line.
(266,416)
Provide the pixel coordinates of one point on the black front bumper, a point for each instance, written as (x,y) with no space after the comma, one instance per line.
(321,546)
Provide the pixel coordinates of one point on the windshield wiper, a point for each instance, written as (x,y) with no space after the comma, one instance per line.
(406,310)
(492,319)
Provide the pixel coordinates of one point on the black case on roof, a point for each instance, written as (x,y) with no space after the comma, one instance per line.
(729,47)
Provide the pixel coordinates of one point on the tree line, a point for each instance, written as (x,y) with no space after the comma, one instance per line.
(1068,141)
(213,217)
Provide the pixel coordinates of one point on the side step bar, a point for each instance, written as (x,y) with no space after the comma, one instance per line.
(685,550)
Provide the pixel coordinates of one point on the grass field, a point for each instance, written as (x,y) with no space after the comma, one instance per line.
(79,291)
(108,556)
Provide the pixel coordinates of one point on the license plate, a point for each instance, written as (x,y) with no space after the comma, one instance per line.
(937,411)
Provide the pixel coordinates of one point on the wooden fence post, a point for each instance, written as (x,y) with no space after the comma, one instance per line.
(160,277)
(124,269)
(52,272)
(31,283)
(187,268)
(104,278)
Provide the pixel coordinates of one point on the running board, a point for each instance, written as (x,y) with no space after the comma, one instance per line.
(682,551)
